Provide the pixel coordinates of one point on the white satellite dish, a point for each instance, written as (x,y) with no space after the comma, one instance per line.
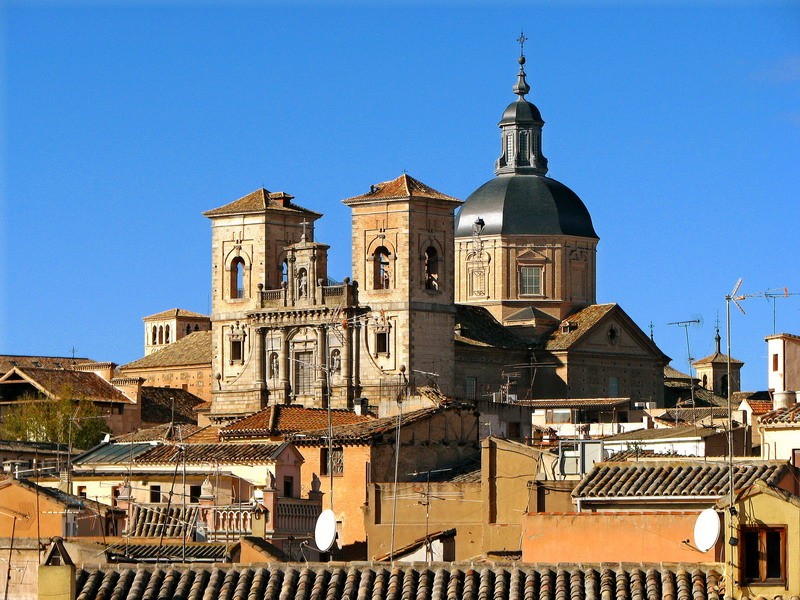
(706,530)
(325,531)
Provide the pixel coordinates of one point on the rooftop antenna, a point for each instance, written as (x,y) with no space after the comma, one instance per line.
(774,295)
(685,325)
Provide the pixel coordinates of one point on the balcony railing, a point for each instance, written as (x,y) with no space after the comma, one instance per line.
(296,516)
(328,294)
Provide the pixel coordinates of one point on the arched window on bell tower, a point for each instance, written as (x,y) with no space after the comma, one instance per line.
(237,277)
(431,269)
(381,275)
(155,335)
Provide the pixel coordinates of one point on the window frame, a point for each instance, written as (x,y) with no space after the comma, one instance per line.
(521,277)
(338,465)
(763,578)
(155,488)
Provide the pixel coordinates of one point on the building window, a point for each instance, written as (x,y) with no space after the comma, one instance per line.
(514,430)
(166,334)
(477,282)
(288,487)
(333,465)
(161,335)
(237,277)
(188,329)
(763,558)
(155,493)
(774,362)
(613,387)
(380,261)
(194,493)
(236,350)
(382,342)
(155,334)
(471,388)
(81,491)
(510,147)
(304,373)
(530,281)
(523,146)
(723,388)
(431,269)
(705,381)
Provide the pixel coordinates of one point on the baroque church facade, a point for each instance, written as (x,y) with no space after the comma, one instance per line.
(439,305)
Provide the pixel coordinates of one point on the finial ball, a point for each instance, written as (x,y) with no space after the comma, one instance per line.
(521,60)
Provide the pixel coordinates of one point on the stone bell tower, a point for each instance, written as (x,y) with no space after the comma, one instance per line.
(403,260)
(249,240)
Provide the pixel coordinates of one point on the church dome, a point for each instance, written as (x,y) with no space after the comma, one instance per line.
(525,205)
(521,112)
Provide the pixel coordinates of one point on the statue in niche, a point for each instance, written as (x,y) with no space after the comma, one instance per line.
(273,365)
(302,284)
(336,362)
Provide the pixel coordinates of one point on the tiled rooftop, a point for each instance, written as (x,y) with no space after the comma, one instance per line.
(173,313)
(259,201)
(674,478)
(364,432)
(574,402)
(167,432)
(9,361)
(580,323)
(684,416)
(663,433)
(84,384)
(158,403)
(194,349)
(782,415)
(404,186)
(215,552)
(209,453)
(282,419)
(153,520)
(434,581)
(676,391)
(717,357)
(475,326)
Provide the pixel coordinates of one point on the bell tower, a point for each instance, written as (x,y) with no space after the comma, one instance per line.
(403,260)
(250,238)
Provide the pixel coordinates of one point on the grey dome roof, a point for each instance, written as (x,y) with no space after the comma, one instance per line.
(525,204)
(522,112)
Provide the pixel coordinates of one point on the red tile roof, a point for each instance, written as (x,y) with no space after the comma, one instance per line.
(9,361)
(194,349)
(80,384)
(380,581)
(174,312)
(404,186)
(259,201)
(212,453)
(787,415)
(575,326)
(282,419)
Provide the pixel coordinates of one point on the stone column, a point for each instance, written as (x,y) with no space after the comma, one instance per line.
(322,364)
(357,359)
(261,357)
(284,364)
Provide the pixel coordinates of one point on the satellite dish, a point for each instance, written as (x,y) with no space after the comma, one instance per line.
(706,530)
(325,531)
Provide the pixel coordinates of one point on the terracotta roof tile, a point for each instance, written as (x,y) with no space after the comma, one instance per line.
(158,402)
(166,552)
(404,186)
(717,357)
(573,402)
(674,478)
(380,581)
(575,326)
(684,416)
(206,435)
(9,361)
(366,431)
(475,326)
(210,453)
(782,415)
(664,433)
(194,349)
(174,312)
(166,432)
(82,384)
(282,419)
(259,201)
(154,520)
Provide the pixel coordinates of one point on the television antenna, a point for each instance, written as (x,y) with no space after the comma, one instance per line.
(774,295)
(697,322)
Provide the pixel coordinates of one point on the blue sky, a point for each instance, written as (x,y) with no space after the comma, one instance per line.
(678,124)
